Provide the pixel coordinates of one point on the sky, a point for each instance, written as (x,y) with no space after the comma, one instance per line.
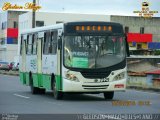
(107,7)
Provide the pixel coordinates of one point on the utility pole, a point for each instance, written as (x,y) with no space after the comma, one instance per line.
(33,15)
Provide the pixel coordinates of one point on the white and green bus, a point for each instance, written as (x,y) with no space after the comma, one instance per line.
(74,57)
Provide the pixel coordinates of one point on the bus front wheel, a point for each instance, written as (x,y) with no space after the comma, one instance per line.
(108,95)
(57,94)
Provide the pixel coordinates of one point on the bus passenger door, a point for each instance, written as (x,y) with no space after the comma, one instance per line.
(23,59)
(39,52)
(59,60)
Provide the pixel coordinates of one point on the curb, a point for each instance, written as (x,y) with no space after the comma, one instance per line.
(144,89)
(8,73)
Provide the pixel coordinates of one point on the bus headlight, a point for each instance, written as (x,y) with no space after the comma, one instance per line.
(72,77)
(119,76)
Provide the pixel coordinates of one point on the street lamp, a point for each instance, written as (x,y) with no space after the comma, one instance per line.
(33,15)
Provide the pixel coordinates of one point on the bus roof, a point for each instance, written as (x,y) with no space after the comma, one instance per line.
(61,25)
(39,29)
(93,23)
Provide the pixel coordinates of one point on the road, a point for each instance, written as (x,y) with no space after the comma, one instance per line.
(16,98)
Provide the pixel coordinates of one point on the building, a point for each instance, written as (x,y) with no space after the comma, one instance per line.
(9,34)
(48,18)
(143,34)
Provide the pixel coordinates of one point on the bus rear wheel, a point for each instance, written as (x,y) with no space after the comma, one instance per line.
(57,94)
(108,95)
(36,90)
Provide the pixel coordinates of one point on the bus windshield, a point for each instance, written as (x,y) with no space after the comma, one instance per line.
(93,52)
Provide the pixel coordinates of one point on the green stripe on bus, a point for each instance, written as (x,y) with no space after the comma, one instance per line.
(36,78)
(22,77)
(59,82)
(27,78)
(41,80)
(46,81)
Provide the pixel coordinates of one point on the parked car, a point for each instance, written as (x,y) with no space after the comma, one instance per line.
(15,66)
(4,66)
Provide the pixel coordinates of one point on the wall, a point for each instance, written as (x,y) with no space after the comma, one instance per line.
(4,16)
(68,17)
(149,80)
(140,66)
(0,24)
(3,19)
(2,55)
(25,20)
(137,81)
(11,52)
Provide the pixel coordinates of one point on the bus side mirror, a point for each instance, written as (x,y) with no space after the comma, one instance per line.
(59,42)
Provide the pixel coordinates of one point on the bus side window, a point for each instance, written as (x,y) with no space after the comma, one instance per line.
(53,43)
(29,44)
(35,36)
(46,42)
(21,45)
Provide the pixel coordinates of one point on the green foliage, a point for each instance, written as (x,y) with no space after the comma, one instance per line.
(157,52)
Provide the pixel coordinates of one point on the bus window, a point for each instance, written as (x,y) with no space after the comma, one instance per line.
(93,51)
(21,45)
(29,45)
(35,44)
(53,43)
(27,41)
(46,43)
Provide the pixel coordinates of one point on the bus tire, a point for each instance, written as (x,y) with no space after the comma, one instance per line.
(41,91)
(34,90)
(57,94)
(108,95)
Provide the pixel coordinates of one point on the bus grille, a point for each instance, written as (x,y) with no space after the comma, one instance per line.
(95,86)
(93,75)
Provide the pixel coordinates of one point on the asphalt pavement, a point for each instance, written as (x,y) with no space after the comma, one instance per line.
(16,98)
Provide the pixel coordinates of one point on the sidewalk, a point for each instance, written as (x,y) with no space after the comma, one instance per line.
(15,73)
(151,89)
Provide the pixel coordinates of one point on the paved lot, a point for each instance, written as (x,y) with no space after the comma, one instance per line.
(16,98)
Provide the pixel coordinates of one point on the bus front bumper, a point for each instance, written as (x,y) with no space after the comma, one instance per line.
(72,86)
